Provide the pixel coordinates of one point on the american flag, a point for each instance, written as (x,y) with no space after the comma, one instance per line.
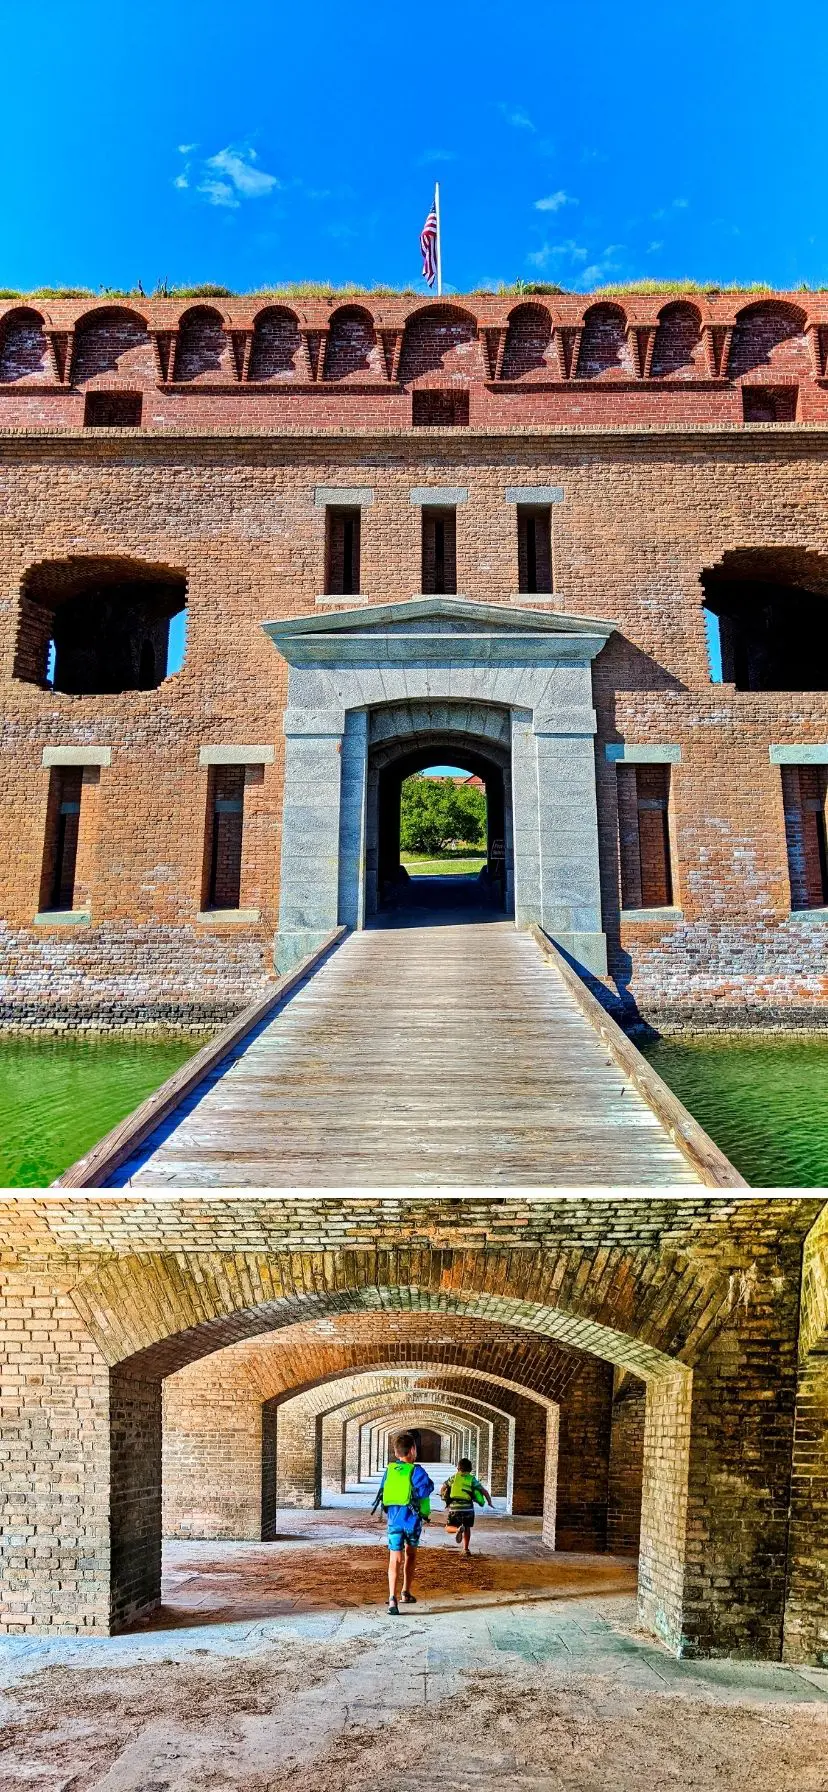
(428,244)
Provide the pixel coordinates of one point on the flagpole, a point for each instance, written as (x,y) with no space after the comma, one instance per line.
(439,255)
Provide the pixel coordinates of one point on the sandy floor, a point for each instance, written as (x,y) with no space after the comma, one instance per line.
(274,1668)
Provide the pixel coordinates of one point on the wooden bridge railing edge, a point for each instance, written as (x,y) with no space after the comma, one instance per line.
(701,1152)
(104,1158)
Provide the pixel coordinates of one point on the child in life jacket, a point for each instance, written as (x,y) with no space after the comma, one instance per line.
(404,1498)
(462,1493)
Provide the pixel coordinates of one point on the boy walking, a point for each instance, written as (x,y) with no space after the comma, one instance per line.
(404,1498)
(461,1494)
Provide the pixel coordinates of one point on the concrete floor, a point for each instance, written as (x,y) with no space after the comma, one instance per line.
(275,1667)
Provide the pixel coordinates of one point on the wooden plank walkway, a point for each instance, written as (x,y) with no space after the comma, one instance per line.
(418,1055)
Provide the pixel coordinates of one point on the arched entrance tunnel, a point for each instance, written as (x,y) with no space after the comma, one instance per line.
(380,691)
(408,738)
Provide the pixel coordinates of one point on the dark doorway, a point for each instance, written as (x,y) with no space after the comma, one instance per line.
(429,1444)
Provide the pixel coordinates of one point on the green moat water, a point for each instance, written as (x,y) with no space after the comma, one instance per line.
(59,1095)
(764,1100)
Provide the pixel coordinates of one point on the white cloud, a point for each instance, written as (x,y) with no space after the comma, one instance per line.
(569,250)
(652,247)
(514,116)
(218,192)
(250,182)
(554,201)
(680,205)
(226,178)
(436,155)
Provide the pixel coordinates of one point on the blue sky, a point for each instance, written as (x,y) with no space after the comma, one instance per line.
(196,143)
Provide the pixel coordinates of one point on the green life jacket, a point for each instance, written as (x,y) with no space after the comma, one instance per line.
(397,1490)
(463,1490)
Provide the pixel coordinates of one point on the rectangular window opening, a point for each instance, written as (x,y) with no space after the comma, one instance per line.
(534,524)
(805,794)
(439,568)
(225,828)
(60,857)
(342,550)
(769,404)
(644,836)
(112,410)
(447,409)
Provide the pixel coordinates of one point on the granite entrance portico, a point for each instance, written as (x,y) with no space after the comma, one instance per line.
(512,685)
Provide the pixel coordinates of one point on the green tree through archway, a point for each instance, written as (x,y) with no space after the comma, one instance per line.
(438,814)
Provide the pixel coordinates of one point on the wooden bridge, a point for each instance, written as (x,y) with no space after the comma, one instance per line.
(422,1054)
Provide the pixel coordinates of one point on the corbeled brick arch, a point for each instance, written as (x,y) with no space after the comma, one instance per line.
(529,352)
(113,343)
(24,349)
(605,348)
(678,351)
(441,340)
(352,349)
(276,348)
(204,350)
(769,340)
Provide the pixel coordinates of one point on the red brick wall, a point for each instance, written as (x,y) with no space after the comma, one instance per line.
(642,516)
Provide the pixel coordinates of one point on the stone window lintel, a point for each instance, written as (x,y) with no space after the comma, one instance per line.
(627,753)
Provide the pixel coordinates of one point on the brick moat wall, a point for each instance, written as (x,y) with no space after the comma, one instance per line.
(640,519)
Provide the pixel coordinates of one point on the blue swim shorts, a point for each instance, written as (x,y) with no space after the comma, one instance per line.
(404,1531)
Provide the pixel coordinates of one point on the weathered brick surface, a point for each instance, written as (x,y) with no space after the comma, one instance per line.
(806,1614)
(583,1463)
(628,406)
(626,1466)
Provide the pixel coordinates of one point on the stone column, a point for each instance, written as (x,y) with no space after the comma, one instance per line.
(352,820)
(310,876)
(570,885)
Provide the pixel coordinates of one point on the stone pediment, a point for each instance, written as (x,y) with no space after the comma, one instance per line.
(437,627)
(445,615)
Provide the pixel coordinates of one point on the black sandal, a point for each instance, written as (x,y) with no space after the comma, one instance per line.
(393,1609)
(407,1599)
